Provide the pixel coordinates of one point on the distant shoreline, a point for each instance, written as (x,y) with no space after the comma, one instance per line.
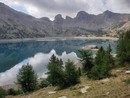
(4,41)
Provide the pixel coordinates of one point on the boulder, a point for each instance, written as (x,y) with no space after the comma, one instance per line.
(51,92)
(62,97)
(127,72)
(105,80)
(84,90)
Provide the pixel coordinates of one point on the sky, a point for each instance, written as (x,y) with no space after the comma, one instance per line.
(50,8)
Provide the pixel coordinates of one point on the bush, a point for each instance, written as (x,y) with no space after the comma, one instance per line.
(13,92)
(99,72)
(127,81)
(44,83)
(3,93)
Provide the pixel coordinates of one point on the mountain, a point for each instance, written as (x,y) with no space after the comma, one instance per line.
(14,24)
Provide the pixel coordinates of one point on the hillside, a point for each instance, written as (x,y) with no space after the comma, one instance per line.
(113,87)
(14,24)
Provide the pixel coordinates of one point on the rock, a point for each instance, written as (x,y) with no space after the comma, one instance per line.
(127,72)
(62,97)
(51,92)
(88,47)
(107,93)
(84,90)
(105,80)
(118,71)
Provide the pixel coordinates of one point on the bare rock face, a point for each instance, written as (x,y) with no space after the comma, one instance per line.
(14,24)
(58,19)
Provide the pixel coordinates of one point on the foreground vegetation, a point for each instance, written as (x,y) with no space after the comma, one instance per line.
(114,88)
(93,69)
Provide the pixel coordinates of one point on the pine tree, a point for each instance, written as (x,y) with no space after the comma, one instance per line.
(79,71)
(86,60)
(72,73)
(123,48)
(27,78)
(60,76)
(99,56)
(103,64)
(56,75)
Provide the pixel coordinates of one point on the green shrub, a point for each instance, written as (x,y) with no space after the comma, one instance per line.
(3,93)
(44,83)
(127,81)
(14,92)
(103,64)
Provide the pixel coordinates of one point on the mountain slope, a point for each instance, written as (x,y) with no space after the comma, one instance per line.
(14,24)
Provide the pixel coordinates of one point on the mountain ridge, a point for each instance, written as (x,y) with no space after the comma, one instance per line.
(14,24)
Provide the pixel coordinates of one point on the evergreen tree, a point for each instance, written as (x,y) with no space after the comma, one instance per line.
(108,59)
(60,76)
(72,73)
(103,64)
(86,60)
(27,78)
(79,71)
(56,75)
(123,48)
(100,56)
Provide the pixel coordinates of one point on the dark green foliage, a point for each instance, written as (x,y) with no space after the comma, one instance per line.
(103,64)
(71,73)
(44,83)
(99,56)
(56,72)
(27,78)
(86,60)
(3,93)
(99,72)
(58,76)
(127,81)
(123,48)
(79,71)
(11,91)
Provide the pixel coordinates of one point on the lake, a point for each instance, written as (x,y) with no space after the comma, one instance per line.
(14,55)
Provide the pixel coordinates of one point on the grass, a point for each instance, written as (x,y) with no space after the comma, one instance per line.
(115,88)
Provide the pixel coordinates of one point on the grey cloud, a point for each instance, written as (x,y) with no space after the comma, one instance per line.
(50,8)
(126,2)
(57,5)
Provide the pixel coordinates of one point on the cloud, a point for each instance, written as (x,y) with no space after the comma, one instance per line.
(39,63)
(120,6)
(50,8)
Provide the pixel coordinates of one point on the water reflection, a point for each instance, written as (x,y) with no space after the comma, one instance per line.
(12,54)
(39,62)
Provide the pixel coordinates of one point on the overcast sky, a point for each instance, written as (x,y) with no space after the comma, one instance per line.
(50,8)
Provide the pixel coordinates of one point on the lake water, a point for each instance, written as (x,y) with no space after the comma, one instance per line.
(13,56)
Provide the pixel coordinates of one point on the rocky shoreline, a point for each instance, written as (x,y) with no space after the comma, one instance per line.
(3,41)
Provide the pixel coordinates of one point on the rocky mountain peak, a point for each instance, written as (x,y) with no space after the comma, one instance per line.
(46,19)
(82,15)
(68,18)
(58,19)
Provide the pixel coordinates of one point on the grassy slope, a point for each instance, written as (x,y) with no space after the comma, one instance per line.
(115,88)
